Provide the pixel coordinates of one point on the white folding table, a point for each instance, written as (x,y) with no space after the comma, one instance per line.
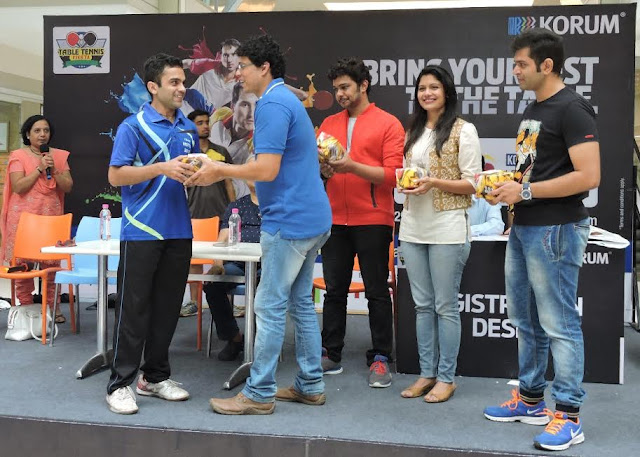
(249,253)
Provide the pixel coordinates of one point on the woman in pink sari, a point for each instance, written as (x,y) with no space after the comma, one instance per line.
(35,183)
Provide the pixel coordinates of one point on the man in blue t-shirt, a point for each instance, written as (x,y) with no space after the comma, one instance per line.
(155,239)
(296,219)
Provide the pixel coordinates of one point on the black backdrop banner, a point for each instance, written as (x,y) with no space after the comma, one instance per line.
(488,345)
(472,43)
(93,65)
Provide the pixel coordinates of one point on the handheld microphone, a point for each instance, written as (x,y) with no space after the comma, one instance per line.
(44,148)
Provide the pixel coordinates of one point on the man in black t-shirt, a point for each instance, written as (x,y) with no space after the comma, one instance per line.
(559,158)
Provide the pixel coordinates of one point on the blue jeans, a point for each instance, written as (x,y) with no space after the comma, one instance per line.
(285,285)
(541,271)
(434,272)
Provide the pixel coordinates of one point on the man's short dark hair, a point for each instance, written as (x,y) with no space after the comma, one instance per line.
(353,68)
(261,49)
(230,42)
(197,112)
(543,44)
(28,125)
(155,65)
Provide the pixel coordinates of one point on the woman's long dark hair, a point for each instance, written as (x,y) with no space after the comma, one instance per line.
(418,121)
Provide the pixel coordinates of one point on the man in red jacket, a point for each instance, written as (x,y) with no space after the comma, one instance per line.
(360,188)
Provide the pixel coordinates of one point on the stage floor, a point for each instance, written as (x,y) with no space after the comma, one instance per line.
(39,382)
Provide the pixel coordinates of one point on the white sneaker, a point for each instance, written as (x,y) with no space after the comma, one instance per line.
(189,309)
(167,389)
(122,401)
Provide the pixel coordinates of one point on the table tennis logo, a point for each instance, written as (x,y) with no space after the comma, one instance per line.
(79,50)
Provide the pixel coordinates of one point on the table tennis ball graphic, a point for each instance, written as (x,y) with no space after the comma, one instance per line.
(322,100)
(81,39)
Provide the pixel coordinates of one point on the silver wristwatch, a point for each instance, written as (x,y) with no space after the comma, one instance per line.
(525,193)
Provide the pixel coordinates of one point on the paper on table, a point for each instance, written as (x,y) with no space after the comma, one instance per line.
(597,235)
(490,238)
(605,238)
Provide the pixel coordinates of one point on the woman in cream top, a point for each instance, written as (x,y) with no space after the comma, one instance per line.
(434,229)
(420,222)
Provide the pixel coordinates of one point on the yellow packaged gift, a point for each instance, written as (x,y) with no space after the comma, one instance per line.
(195,160)
(406,177)
(488,180)
(329,148)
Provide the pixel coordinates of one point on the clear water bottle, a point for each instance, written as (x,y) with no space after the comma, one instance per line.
(234,228)
(105,223)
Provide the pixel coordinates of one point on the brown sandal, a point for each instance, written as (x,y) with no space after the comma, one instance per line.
(60,319)
(441,392)
(414,390)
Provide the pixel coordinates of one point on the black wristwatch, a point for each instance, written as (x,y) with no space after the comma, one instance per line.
(525,193)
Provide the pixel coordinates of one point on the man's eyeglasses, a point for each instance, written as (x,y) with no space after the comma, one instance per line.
(242,65)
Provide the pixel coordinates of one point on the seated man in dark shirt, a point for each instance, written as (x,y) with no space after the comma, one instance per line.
(206,201)
(216,292)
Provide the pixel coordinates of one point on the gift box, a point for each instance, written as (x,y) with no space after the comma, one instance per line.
(406,177)
(195,160)
(329,148)
(488,180)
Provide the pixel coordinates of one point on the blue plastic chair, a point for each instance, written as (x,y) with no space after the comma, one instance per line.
(85,267)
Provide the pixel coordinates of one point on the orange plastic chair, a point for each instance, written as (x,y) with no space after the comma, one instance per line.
(203,230)
(35,232)
(357,287)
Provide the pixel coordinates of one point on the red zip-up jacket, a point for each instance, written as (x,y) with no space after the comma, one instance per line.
(377,140)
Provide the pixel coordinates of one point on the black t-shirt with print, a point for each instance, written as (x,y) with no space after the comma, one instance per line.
(547,130)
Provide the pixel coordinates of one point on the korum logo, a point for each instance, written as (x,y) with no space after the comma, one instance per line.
(596,258)
(517,25)
(595,24)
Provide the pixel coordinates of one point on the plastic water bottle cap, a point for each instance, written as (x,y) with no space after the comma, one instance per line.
(105,206)
(234,210)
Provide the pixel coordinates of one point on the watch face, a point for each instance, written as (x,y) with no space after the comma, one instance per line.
(526,194)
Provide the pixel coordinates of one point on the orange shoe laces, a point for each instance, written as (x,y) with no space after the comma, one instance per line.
(554,427)
(378,367)
(513,403)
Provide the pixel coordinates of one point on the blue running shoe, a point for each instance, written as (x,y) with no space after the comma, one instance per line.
(516,410)
(559,434)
